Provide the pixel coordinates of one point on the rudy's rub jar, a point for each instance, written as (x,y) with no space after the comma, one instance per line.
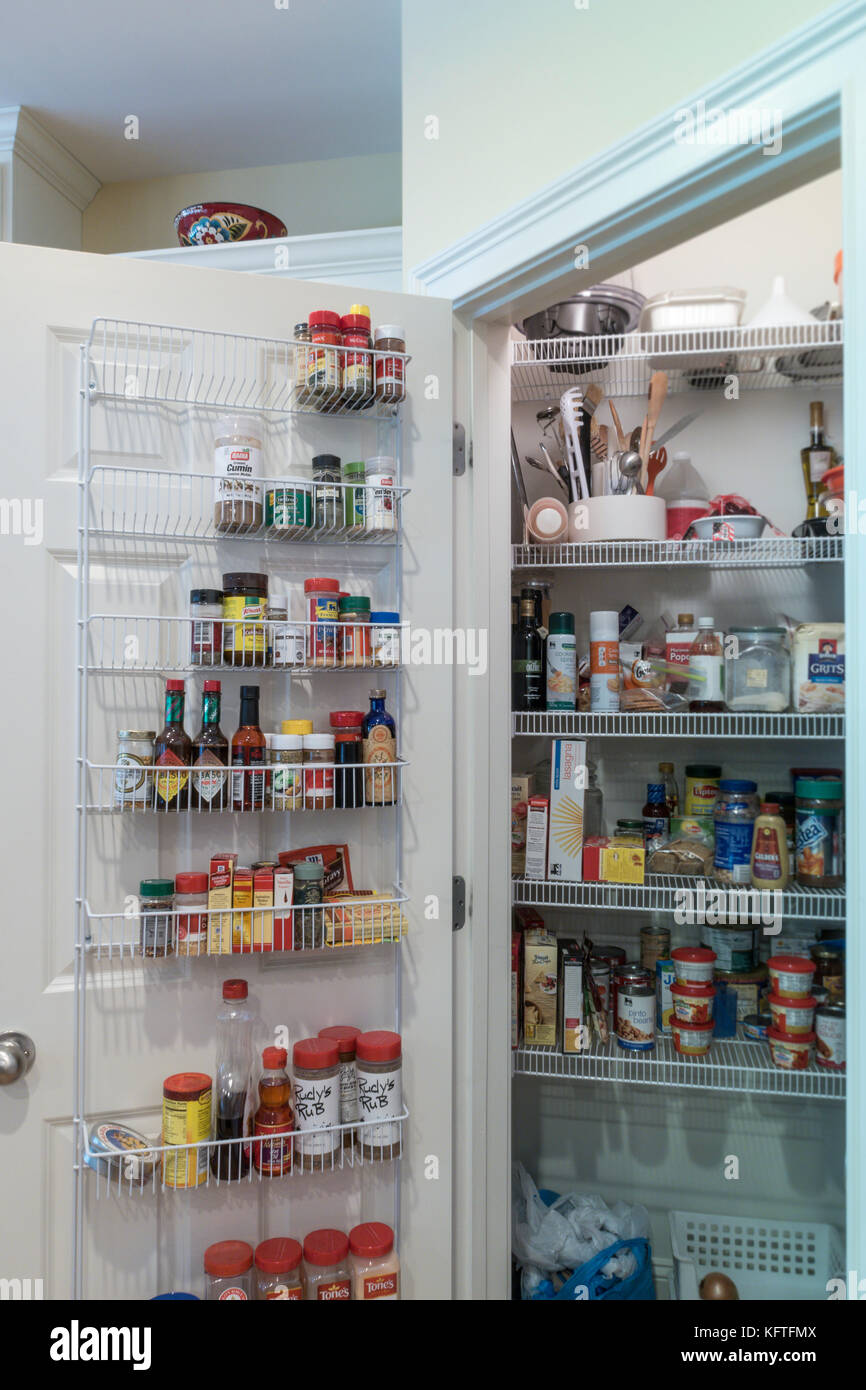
(316,1076)
(379,1061)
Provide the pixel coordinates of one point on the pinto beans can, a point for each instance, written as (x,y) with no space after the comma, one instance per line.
(635,1020)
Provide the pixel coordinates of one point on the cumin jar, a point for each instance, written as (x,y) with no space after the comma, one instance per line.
(379,1067)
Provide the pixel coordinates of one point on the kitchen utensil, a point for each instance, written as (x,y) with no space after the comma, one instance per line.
(519,481)
(622,443)
(658,389)
(657,461)
(629,464)
(779,309)
(601,311)
(559,469)
(634,439)
(681,424)
(547,521)
(206,224)
(575,424)
(546,468)
(617,519)
(598,439)
(676,310)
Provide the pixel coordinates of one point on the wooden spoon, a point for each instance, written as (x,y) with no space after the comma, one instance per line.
(658,389)
(621,440)
(657,462)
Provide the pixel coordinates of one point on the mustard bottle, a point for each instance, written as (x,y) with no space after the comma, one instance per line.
(770,862)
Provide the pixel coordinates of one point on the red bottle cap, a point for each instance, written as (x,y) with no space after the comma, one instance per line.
(344,1035)
(355,323)
(326,1247)
(315,586)
(174,685)
(187,1083)
(770,808)
(346,718)
(235,989)
(278,1255)
(371,1240)
(274,1058)
(227,1258)
(213,686)
(324,318)
(379,1046)
(191,882)
(315,1052)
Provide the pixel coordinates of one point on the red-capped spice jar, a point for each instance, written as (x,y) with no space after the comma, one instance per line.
(278,1270)
(374,1262)
(379,1064)
(327,1277)
(390,371)
(190,900)
(357,363)
(228,1265)
(322,602)
(348,757)
(316,1099)
(324,365)
(345,1035)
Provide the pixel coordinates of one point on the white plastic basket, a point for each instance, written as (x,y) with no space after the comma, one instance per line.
(790,1260)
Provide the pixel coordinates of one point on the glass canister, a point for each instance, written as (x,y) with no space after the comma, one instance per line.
(309,895)
(353,498)
(278,1270)
(286,757)
(238,469)
(818,832)
(318,772)
(206,629)
(734,818)
(354,637)
(327,492)
(228,1265)
(327,1277)
(757,670)
(245,606)
(288,508)
(156,900)
(379,1063)
(316,1075)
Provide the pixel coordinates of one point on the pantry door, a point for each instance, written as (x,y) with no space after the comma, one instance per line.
(145,1021)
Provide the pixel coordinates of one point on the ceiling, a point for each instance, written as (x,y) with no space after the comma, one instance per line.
(215,85)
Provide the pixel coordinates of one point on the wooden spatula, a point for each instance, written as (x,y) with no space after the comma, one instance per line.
(658,389)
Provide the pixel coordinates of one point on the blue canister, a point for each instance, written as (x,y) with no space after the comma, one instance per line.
(734,821)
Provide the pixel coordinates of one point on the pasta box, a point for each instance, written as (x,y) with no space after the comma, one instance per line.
(567,784)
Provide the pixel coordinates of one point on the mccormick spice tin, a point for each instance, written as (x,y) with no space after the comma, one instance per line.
(830,1036)
(186,1112)
(635,1023)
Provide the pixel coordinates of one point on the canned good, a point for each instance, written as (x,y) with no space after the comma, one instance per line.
(755,1027)
(736,948)
(623,976)
(600,971)
(655,945)
(186,1112)
(665,979)
(635,1024)
(830,1036)
(829,970)
(133,790)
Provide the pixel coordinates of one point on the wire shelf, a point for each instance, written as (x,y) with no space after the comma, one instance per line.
(135,644)
(666,892)
(132,361)
(700,359)
(769,552)
(649,725)
(182,507)
(187,1167)
(734,1064)
(352,921)
(135,789)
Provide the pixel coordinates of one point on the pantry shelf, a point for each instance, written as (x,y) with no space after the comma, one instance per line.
(763,726)
(154,1169)
(108,790)
(139,362)
(666,892)
(731,1065)
(699,359)
(769,552)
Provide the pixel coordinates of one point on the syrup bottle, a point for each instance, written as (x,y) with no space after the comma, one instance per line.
(274,1117)
(705,659)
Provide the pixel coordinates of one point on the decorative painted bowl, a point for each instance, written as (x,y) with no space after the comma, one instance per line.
(207,224)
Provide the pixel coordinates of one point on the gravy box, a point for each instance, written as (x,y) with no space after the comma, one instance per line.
(219,904)
(537,811)
(539,989)
(570,997)
(567,785)
(284,887)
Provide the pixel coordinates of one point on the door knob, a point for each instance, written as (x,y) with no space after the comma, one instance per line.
(17,1055)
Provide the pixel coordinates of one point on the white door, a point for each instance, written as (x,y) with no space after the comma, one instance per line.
(144,1020)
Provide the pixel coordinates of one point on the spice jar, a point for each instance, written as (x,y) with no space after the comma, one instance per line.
(357,366)
(186,1116)
(379,1061)
(345,1035)
(316,1072)
(829,970)
(353,498)
(380,511)
(326,1267)
(238,470)
(308,897)
(133,786)
(390,371)
(818,816)
(278,1269)
(734,819)
(245,603)
(324,368)
(286,756)
(319,772)
(327,492)
(321,597)
(374,1262)
(757,670)
(288,508)
(348,758)
(156,899)
(354,636)
(228,1265)
(385,638)
(302,336)
(286,639)
(297,726)
(206,629)
(191,893)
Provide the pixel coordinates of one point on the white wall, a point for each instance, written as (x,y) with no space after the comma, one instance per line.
(331,195)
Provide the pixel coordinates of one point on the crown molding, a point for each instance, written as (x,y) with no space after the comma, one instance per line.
(27,139)
(353,256)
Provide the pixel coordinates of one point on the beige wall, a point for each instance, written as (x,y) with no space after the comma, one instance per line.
(332,195)
(529,91)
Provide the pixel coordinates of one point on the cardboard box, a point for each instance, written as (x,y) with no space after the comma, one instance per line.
(242,922)
(592,850)
(528,919)
(263,922)
(624,860)
(516,983)
(567,784)
(522,788)
(665,976)
(539,989)
(570,997)
(536,836)
(284,887)
(219,898)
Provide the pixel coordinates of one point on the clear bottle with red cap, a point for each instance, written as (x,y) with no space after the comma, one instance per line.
(324,359)
(327,1277)
(274,1120)
(374,1262)
(278,1270)
(379,1063)
(190,900)
(228,1265)
(316,1101)
(233,1087)
(345,1035)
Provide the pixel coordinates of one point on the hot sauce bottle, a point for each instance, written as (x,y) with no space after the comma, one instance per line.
(274,1117)
(173,749)
(248,752)
(210,785)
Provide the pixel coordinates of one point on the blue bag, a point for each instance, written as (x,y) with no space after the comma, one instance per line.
(588,1283)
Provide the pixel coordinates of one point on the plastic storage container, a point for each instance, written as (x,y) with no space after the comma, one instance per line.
(758,671)
(779,1261)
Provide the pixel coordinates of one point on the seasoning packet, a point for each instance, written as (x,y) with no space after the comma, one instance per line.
(336,861)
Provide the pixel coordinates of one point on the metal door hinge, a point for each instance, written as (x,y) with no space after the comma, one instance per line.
(458,903)
(458,451)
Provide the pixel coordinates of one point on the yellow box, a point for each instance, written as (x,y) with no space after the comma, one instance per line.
(242,922)
(219,922)
(623,860)
(263,922)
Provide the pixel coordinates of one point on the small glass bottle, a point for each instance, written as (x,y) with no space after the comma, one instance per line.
(357,364)
(309,895)
(272,1156)
(348,758)
(324,360)
(327,493)
(380,749)
(672,796)
(706,660)
(319,772)
(248,756)
(156,900)
(302,336)
(656,817)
